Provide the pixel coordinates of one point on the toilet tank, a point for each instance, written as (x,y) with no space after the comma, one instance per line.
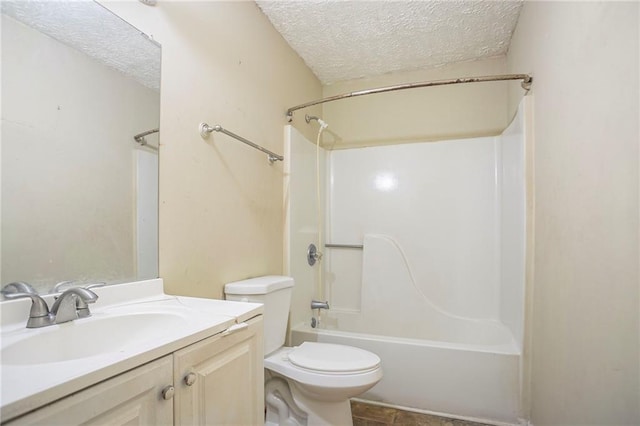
(274,291)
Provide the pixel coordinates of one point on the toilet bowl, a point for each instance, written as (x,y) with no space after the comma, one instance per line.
(327,372)
(308,384)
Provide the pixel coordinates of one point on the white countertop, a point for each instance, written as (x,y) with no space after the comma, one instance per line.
(26,385)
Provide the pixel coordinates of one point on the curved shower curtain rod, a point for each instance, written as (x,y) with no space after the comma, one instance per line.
(140,138)
(526,85)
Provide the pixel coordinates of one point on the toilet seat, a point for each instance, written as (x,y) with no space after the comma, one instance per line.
(279,362)
(332,358)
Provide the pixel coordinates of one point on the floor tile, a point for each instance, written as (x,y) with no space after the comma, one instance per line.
(357,421)
(408,418)
(383,415)
(375,415)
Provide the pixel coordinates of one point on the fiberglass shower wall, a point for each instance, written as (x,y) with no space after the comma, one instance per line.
(448,216)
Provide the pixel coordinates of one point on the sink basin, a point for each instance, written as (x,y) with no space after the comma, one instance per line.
(94,336)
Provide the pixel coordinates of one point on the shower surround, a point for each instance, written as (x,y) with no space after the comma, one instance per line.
(437,291)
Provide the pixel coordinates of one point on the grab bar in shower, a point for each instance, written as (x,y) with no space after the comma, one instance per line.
(347,246)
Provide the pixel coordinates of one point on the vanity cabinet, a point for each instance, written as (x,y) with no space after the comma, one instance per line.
(216,381)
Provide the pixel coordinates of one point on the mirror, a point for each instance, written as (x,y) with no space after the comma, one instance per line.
(79,194)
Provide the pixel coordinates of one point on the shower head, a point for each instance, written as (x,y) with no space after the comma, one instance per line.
(308,119)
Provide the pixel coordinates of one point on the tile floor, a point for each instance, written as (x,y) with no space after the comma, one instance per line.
(374,415)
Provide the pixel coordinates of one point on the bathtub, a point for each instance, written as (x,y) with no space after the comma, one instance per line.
(478,381)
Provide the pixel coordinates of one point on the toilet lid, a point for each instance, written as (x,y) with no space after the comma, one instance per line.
(328,357)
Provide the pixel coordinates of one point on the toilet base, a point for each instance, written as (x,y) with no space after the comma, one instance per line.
(281,408)
(288,406)
(323,413)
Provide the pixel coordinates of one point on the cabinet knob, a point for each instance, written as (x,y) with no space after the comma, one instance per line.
(167,393)
(190,379)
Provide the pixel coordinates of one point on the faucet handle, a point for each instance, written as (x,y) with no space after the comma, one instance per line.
(87,296)
(17,287)
(39,315)
(58,286)
(81,303)
(94,285)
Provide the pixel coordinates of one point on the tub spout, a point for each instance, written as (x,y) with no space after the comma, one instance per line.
(315,304)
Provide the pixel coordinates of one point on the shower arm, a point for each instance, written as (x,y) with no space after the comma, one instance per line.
(308,118)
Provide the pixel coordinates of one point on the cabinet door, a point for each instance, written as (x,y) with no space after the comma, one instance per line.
(132,398)
(220,380)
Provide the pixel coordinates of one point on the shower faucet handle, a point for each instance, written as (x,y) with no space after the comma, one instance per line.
(313,254)
(316,304)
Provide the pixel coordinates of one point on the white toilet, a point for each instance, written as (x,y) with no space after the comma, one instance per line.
(309,384)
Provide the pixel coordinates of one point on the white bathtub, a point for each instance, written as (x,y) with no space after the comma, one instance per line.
(473,381)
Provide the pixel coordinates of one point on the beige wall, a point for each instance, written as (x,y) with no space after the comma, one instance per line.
(221,203)
(434,113)
(584,354)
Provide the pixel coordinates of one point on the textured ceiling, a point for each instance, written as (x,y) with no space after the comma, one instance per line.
(90,28)
(343,39)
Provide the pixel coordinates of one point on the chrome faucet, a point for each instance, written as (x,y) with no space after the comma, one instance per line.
(72,304)
(315,304)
